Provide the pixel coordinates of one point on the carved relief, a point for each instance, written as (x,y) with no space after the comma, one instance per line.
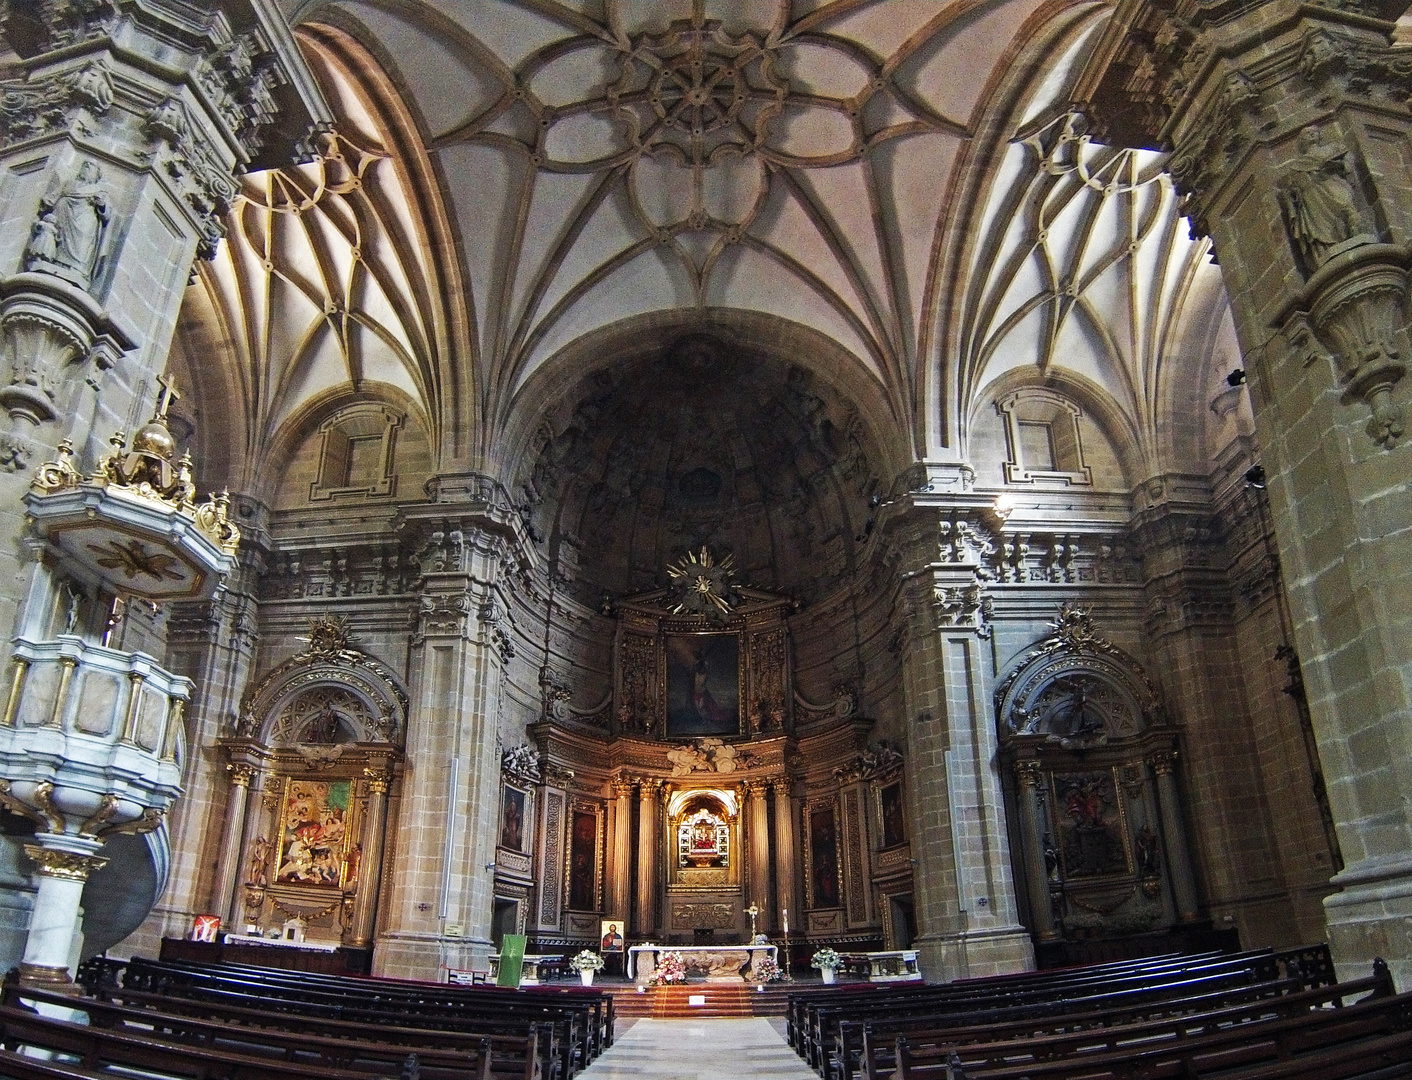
(712,916)
(1323,209)
(639,705)
(853,858)
(550,887)
(769,679)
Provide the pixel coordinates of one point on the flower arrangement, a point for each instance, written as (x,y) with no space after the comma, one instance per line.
(826,959)
(767,970)
(671,968)
(588,960)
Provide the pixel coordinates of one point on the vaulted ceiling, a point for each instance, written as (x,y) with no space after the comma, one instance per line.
(510,179)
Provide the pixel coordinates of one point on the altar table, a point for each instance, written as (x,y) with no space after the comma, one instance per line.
(723,963)
(529,974)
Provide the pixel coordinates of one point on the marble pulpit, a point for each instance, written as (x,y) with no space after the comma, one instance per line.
(721,963)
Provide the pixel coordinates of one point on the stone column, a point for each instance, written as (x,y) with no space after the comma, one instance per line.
(370,871)
(968,918)
(227,882)
(1287,125)
(787,874)
(1032,835)
(620,861)
(1164,764)
(445,859)
(648,827)
(50,944)
(759,854)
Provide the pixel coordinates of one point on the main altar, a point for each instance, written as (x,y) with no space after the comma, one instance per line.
(719,963)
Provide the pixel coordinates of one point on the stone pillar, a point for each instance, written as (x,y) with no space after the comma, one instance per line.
(443,872)
(1164,765)
(759,818)
(787,873)
(620,861)
(968,919)
(1032,835)
(648,827)
(226,887)
(370,871)
(50,944)
(1287,124)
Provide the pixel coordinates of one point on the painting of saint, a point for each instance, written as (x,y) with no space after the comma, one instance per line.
(703,685)
(823,857)
(512,819)
(1090,827)
(612,938)
(583,859)
(894,821)
(315,833)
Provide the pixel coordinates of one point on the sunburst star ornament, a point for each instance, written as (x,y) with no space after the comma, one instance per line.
(703,585)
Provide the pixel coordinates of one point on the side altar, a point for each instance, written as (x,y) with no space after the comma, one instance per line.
(721,963)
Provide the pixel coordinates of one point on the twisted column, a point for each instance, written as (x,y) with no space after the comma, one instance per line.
(228,868)
(370,869)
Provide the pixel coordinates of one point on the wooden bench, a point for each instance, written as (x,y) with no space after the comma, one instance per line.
(1329,1033)
(1058,1036)
(470,1057)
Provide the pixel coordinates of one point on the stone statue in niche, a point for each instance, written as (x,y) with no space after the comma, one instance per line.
(67,240)
(1322,208)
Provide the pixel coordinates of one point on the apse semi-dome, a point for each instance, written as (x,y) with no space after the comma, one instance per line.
(705,444)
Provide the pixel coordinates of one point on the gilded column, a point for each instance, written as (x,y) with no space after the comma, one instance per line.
(1174,835)
(786,873)
(370,870)
(620,863)
(62,874)
(647,829)
(759,818)
(228,869)
(1036,869)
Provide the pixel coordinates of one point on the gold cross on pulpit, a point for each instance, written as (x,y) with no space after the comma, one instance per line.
(167,395)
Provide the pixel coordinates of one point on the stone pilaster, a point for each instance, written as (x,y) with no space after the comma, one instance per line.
(223,891)
(1287,123)
(443,873)
(965,902)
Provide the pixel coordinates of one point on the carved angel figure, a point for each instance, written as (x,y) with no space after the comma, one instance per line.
(68,237)
(1319,200)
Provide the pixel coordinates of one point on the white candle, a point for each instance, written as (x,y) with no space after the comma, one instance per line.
(786,922)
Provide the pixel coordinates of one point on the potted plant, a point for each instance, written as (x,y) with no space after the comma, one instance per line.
(828,962)
(586,963)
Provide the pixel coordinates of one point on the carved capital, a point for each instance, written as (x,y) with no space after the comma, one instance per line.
(622,787)
(64,864)
(1028,773)
(756,788)
(240,773)
(1163,762)
(378,781)
(783,786)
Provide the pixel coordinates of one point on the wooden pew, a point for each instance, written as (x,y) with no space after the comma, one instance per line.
(97,1048)
(1056,1037)
(471,1057)
(566,1043)
(823,1038)
(1327,1034)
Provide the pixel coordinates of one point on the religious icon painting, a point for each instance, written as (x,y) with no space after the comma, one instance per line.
(315,835)
(823,857)
(703,685)
(894,820)
(512,819)
(1091,827)
(612,936)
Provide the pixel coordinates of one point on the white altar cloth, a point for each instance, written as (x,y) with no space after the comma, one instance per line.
(721,965)
(280,943)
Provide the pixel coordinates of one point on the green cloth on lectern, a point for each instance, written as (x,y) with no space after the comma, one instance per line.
(512,960)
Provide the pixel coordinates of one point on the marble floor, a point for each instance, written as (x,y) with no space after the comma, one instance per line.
(699,1050)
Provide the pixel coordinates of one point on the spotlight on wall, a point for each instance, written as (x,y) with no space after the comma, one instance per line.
(1236,377)
(490,866)
(1255,477)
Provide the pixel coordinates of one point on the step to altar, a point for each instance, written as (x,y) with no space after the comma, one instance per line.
(702,1000)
